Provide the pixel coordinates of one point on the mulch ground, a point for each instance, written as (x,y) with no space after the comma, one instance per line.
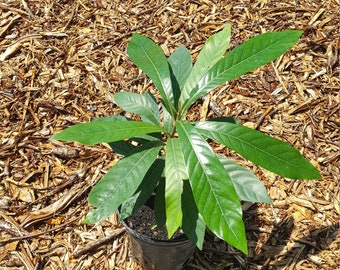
(60,63)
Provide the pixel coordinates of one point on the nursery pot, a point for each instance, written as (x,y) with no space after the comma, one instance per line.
(155,254)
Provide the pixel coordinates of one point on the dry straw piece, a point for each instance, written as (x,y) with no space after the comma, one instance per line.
(61,61)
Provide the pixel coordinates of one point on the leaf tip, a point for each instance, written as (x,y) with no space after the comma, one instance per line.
(92,217)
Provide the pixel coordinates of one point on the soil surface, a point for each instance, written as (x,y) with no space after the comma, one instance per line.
(60,63)
(143,221)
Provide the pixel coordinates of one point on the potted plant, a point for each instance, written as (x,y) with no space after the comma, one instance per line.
(164,154)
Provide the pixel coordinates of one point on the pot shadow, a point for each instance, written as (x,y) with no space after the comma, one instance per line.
(279,248)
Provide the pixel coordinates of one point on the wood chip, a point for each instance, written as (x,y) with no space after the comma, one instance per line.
(61,61)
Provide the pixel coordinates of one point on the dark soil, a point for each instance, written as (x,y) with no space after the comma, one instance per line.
(143,221)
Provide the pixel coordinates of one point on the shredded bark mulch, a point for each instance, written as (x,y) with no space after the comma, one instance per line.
(60,63)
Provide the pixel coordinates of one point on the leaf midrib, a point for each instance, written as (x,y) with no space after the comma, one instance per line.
(119,129)
(149,110)
(159,78)
(133,168)
(243,142)
(233,66)
(208,182)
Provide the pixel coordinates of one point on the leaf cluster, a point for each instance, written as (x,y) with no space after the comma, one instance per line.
(167,155)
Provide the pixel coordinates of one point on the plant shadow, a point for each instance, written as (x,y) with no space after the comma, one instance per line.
(281,247)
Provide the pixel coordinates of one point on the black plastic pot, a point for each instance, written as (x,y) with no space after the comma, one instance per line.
(156,254)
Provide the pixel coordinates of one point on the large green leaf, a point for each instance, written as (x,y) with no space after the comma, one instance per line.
(145,189)
(181,64)
(119,183)
(225,119)
(174,175)
(111,118)
(212,51)
(122,147)
(142,104)
(105,131)
(159,206)
(192,222)
(248,56)
(168,124)
(213,190)
(248,187)
(265,151)
(151,59)
(126,147)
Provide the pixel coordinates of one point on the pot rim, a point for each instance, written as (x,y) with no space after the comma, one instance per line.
(179,239)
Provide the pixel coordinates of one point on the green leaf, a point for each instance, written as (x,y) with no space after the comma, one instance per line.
(159,206)
(248,56)
(126,147)
(146,138)
(111,118)
(174,160)
(212,187)
(145,189)
(168,124)
(212,51)
(225,119)
(192,223)
(248,187)
(181,64)
(268,152)
(119,147)
(105,131)
(142,104)
(122,148)
(119,183)
(174,175)
(151,59)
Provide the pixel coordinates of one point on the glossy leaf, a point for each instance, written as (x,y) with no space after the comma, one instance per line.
(159,207)
(145,189)
(248,187)
(168,124)
(174,175)
(181,64)
(225,119)
(119,183)
(142,104)
(146,138)
(213,190)
(119,147)
(268,152)
(248,56)
(126,147)
(105,131)
(192,222)
(212,51)
(123,148)
(111,118)
(151,59)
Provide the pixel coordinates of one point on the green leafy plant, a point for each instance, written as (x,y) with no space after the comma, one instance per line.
(167,155)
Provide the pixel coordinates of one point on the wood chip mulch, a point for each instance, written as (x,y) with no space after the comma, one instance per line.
(60,63)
